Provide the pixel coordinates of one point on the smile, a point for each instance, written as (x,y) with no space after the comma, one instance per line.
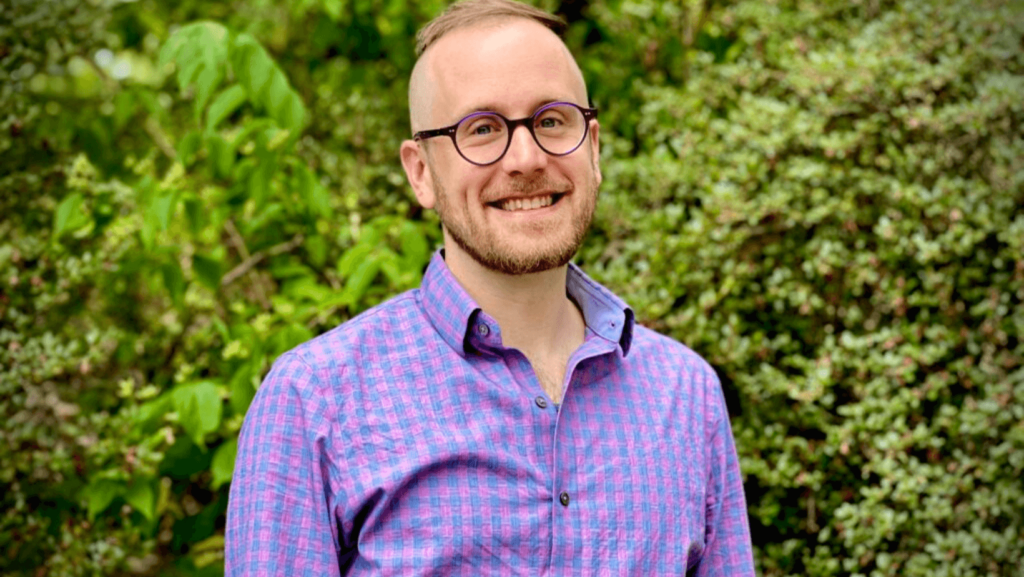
(519,204)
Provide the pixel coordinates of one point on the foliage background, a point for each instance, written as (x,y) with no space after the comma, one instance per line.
(822,198)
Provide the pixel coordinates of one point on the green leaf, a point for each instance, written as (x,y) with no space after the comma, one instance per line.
(353,256)
(142,498)
(415,251)
(206,82)
(320,201)
(259,186)
(284,104)
(224,105)
(292,114)
(188,146)
(207,554)
(242,388)
(221,328)
(251,129)
(68,215)
(196,213)
(208,271)
(147,233)
(223,464)
(277,94)
(253,67)
(307,289)
(373,233)
(314,196)
(316,248)
(157,217)
(361,279)
(100,494)
(288,338)
(390,266)
(266,85)
(174,280)
(333,8)
(188,68)
(221,155)
(151,413)
(184,459)
(151,104)
(200,51)
(162,208)
(125,106)
(199,409)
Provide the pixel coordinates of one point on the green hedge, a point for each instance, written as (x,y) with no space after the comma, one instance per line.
(825,199)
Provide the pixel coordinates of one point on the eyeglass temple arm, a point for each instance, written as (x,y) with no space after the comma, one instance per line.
(425,134)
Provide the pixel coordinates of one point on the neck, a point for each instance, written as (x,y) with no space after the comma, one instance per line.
(533,311)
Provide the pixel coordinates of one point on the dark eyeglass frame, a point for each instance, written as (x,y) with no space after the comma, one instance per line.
(450,131)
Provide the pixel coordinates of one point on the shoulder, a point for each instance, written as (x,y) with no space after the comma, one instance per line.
(653,347)
(678,369)
(314,370)
(373,332)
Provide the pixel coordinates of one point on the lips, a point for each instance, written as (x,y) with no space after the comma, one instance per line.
(530,203)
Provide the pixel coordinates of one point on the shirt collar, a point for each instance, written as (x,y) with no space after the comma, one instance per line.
(452,311)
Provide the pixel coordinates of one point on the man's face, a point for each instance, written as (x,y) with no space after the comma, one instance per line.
(529,211)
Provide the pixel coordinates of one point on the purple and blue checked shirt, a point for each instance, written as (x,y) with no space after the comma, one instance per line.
(408,441)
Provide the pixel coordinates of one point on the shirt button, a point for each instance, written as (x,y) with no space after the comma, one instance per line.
(564,499)
(541,402)
(483,329)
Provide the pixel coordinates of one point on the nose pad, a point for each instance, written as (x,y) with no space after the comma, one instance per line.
(524,154)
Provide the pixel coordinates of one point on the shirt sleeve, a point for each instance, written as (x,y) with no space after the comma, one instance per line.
(727,545)
(279,519)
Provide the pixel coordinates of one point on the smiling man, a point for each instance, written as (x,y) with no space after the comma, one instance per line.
(507,417)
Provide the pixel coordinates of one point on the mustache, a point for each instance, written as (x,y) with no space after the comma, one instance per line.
(523,186)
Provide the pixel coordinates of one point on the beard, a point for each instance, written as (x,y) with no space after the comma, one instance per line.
(501,254)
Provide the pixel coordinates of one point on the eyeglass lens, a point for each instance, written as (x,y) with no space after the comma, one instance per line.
(482,138)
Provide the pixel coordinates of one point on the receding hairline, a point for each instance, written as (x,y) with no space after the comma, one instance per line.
(472,12)
(419,103)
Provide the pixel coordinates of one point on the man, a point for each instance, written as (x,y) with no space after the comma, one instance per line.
(508,417)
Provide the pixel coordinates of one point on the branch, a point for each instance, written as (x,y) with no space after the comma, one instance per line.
(152,128)
(246,265)
(236,239)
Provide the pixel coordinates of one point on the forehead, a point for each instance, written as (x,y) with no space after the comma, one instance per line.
(510,66)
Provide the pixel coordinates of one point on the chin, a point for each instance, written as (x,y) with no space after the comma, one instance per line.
(520,262)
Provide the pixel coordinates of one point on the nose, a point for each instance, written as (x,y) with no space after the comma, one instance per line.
(524,156)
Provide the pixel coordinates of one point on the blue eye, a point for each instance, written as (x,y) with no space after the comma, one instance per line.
(482,127)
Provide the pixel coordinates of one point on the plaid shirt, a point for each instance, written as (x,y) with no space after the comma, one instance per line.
(408,441)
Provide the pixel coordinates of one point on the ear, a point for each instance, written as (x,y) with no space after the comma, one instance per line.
(595,156)
(417,170)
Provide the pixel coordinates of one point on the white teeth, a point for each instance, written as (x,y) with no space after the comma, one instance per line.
(517,204)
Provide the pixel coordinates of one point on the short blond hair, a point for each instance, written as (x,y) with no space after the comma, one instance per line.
(470,12)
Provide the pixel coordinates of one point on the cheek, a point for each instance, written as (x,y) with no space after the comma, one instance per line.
(467,189)
(458,191)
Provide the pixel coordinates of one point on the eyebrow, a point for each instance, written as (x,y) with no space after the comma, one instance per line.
(493,108)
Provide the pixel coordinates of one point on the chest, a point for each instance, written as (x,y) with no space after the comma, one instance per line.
(475,462)
(550,372)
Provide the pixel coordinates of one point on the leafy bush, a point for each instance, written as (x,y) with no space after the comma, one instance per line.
(147,295)
(824,199)
(831,211)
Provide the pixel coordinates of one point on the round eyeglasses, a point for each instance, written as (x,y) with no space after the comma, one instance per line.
(482,138)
